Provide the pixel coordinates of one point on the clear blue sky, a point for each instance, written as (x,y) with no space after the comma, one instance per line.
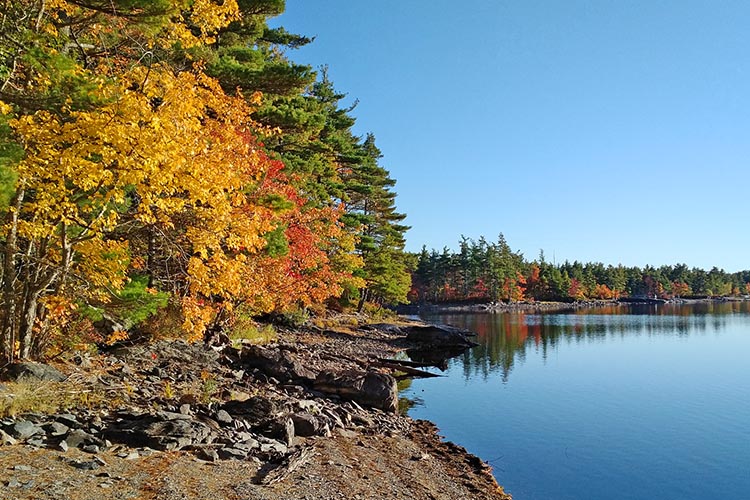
(602,130)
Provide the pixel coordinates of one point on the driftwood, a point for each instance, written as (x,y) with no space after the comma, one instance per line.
(406,362)
(274,473)
(405,366)
(409,371)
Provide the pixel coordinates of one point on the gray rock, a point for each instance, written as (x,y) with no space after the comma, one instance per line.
(309,406)
(276,362)
(85,465)
(63,446)
(374,389)
(223,417)
(28,371)
(36,441)
(168,415)
(78,437)
(439,336)
(248,446)
(257,410)
(150,431)
(307,425)
(287,431)
(23,429)
(232,454)
(273,447)
(67,419)
(56,429)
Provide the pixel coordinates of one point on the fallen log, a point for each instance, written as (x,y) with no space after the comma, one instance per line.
(411,372)
(274,473)
(406,362)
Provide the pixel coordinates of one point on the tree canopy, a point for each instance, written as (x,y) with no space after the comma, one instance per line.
(483,271)
(173,143)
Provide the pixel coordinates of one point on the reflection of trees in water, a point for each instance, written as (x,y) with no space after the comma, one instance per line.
(504,338)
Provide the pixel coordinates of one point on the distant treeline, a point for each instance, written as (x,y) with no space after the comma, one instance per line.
(484,271)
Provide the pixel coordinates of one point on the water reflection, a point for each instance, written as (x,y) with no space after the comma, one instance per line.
(505,338)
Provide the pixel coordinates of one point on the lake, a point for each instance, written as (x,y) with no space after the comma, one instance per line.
(627,402)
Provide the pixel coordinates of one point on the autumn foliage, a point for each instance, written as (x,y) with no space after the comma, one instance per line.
(126,154)
(484,271)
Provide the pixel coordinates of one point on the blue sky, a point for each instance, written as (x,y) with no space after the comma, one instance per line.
(612,131)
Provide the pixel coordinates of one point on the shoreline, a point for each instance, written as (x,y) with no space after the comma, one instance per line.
(551,306)
(338,447)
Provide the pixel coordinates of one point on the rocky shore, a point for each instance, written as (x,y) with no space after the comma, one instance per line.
(500,307)
(313,415)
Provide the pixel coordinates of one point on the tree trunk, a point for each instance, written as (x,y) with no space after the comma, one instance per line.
(9,322)
(151,256)
(363,293)
(31,305)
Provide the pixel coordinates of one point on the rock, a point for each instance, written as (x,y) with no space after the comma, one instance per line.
(223,417)
(67,419)
(28,371)
(272,447)
(309,406)
(383,327)
(374,389)
(209,454)
(307,425)
(7,439)
(36,441)
(168,415)
(232,454)
(439,336)
(63,446)
(23,429)
(248,445)
(85,465)
(56,429)
(257,410)
(79,438)
(279,363)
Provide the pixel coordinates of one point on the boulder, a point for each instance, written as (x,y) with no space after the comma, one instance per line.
(256,411)
(279,363)
(158,432)
(441,336)
(28,371)
(374,389)
(23,429)
(79,438)
(306,425)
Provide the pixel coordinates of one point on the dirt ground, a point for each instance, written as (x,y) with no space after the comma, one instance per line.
(346,466)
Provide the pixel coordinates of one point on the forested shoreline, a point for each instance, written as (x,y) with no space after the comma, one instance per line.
(169,155)
(482,271)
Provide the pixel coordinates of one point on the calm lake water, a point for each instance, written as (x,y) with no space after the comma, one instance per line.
(648,402)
